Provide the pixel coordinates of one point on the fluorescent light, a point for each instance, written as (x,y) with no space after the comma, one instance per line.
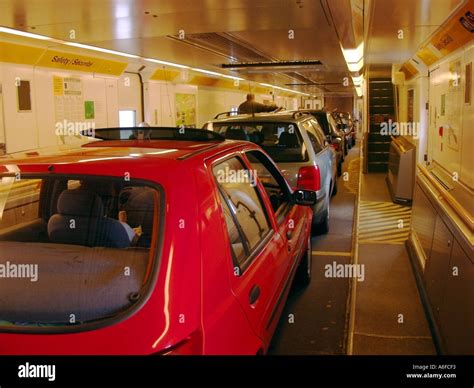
(355,66)
(122,54)
(166,63)
(67,43)
(353,55)
(358,80)
(23,33)
(100,49)
(284,89)
(232,77)
(216,74)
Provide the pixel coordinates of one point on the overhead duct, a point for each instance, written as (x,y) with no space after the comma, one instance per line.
(274,65)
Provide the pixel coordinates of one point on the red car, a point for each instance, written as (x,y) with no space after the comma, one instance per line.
(166,243)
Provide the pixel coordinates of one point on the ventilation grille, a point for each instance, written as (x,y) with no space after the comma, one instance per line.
(225,45)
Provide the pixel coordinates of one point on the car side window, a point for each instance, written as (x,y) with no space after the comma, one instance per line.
(235,237)
(315,142)
(319,132)
(332,123)
(272,181)
(238,189)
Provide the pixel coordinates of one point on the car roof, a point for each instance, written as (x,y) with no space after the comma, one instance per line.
(132,150)
(314,111)
(285,116)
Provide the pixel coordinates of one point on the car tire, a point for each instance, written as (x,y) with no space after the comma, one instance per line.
(334,188)
(339,169)
(304,271)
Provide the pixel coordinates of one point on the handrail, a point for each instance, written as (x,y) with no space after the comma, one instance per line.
(364,144)
(395,98)
(450,200)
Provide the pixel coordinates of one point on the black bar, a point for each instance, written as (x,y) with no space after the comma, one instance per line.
(314,371)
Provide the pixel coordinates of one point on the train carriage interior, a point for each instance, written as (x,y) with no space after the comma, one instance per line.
(114,112)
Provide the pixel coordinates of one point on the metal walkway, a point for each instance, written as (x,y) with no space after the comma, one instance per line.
(383,222)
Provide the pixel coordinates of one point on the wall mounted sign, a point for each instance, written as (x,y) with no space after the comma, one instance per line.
(186,110)
(24,96)
(89,110)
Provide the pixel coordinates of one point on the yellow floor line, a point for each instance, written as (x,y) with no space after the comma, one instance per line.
(327,253)
(380,242)
(394,336)
(406,220)
(371,213)
(379,205)
(390,233)
(355,260)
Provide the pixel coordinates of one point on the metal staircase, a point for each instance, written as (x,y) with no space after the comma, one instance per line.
(381,109)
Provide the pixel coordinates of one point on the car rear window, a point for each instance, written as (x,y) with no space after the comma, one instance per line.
(74,251)
(282,141)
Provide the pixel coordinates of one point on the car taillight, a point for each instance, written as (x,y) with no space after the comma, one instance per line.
(191,345)
(335,146)
(309,178)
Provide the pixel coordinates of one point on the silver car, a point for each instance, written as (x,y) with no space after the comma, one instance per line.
(298,146)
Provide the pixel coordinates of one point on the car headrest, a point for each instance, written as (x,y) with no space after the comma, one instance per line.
(257,137)
(139,203)
(236,134)
(80,203)
(288,139)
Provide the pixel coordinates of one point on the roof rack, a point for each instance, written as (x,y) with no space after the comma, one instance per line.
(300,113)
(228,114)
(153,133)
(234,113)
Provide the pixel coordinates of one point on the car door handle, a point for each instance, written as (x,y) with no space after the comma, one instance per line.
(254,294)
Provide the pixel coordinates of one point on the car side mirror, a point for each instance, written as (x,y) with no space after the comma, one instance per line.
(305,197)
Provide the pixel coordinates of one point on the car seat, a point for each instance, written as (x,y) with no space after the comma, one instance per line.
(80,221)
(139,203)
(287,139)
(236,134)
(107,192)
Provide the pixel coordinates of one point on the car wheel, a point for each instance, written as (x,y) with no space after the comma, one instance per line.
(334,188)
(303,273)
(339,169)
